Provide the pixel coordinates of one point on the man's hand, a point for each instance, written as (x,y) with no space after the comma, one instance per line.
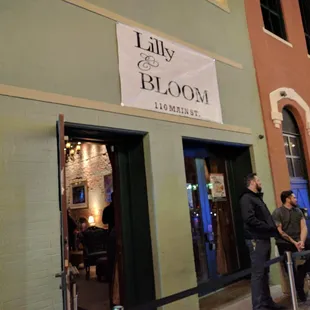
(299,246)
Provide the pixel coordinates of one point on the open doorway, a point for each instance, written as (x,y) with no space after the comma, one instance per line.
(91,222)
(106,242)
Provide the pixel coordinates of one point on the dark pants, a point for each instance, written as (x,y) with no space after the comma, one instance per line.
(260,251)
(299,272)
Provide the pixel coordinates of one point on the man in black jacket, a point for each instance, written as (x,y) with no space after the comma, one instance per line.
(259,227)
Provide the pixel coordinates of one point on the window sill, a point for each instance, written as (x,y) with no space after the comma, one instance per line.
(277,38)
(221,4)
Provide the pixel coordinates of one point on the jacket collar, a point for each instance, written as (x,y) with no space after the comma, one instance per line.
(259,195)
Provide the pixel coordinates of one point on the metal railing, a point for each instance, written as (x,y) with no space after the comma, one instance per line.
(215,284)
(290,267)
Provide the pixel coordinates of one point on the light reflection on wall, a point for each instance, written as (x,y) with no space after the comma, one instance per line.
(91,165)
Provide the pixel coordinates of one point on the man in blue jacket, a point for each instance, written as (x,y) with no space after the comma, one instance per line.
(259,227)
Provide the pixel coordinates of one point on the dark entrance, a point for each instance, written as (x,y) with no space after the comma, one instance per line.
(134,250)
(215,179)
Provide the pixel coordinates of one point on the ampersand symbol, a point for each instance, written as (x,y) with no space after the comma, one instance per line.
(147,63)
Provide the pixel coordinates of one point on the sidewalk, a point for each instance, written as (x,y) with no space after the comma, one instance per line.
(245,303)
(235,302)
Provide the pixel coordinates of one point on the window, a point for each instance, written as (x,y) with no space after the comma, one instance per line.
(305,14)
(293,147)
(273,17)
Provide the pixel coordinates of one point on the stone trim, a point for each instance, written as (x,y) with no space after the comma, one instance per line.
(41,96)
(287,93)
(277,38)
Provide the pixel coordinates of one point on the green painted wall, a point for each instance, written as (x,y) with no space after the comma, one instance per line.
(52,46)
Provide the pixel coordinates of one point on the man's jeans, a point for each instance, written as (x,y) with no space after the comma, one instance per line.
(260,251)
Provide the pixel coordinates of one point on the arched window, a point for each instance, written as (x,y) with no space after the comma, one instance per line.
(293,146)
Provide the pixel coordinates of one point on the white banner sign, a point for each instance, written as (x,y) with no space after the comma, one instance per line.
(163,76)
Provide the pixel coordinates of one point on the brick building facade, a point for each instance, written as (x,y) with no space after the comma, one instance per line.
(279,33)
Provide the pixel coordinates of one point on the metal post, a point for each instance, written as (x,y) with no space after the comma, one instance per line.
(75,297)
(290,268)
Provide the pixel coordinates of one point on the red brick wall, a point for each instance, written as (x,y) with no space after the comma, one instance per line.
(279,65)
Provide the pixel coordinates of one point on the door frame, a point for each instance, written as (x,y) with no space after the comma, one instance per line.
(238,165)
(64,273)
(138,270)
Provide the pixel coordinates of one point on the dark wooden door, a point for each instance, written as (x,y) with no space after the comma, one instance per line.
(117,293)
(138,280)
(64,274)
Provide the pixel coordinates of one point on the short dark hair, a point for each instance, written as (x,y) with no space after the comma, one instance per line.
(249,178)
(285,195)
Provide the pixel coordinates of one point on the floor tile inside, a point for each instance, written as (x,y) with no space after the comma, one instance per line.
(92,294)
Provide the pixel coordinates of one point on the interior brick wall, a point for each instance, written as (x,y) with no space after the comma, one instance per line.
(92,164)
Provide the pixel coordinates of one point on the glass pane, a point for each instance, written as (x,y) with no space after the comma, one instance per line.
(289,124)
(276,25)
(264,2)
(287,149)
(273,17)
(221,218)
(271,4)
(196,219)
(267,22)
(275,5)
(305,13)
(295,146)
(298,168)
(290,167)
(212,222)
(308,42)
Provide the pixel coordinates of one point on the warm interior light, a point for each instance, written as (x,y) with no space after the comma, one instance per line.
(72,152)
(91,220)
(68,145)
(78,147)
